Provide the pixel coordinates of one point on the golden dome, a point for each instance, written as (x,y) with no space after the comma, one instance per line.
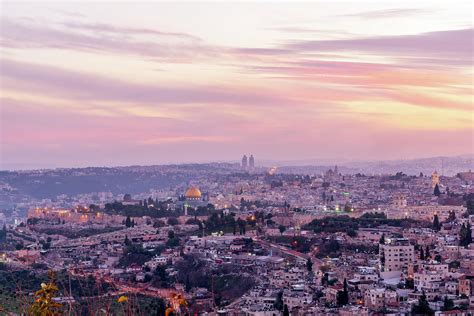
(193,193)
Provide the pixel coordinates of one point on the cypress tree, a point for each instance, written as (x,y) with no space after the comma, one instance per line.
(422,254)
(436,224)
(382,239)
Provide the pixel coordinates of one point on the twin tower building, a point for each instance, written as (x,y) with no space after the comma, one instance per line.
(248,163)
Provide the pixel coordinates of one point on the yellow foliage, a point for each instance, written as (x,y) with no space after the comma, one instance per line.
(44,304)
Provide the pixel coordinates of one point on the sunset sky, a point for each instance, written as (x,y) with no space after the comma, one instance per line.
(86,84)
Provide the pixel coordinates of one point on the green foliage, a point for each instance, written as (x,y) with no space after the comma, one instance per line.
(225,280)
(70,233)
(309,265)
(135,254)
(448,304)
(423,307)
(217,222)
(343,296)
(436,223)
(465,235)
(44,303)
(382,239)
(427,252)
(422,254)
(173,240)
(351,233)
(344,223)
(129,223)
(279,301)
(329,248)
(470,205)
(282,229)
(157,211)
(15,287)
(3,233)
(160,277)
(173,221)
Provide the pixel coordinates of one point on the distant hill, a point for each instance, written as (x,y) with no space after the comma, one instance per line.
(444,165)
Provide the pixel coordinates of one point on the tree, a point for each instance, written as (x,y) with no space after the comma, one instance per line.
(436,191)
(343,296)
(173,221)
(44,303)
(382,239)
(282,229)
(325,278)
(422,254)
(128,222)
(468,234)
(351,233)
(3,232)
(427,252)
(241,223)
(188,286)
(465,235)
(127,241)
(309,265)
(448,304)
(436,224)
(285,311)
(279,301)
(423,307)
(171,234)
(158,223)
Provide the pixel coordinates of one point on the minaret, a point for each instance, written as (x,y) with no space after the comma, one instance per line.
(251,162)
(244,162)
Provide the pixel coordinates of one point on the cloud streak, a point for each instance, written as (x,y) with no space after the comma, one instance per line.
(453,44)
(100,38)
(82,86)
(388,13)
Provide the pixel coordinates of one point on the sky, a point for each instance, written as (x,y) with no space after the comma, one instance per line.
(125,83)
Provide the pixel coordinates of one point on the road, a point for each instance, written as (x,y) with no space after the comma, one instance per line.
(290,252)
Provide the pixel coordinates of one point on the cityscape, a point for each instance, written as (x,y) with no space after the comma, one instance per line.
(236,158)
